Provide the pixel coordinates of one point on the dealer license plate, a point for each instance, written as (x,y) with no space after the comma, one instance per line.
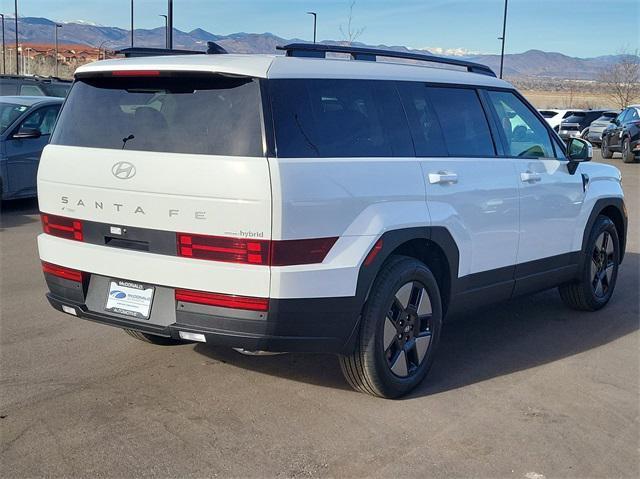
(129,299)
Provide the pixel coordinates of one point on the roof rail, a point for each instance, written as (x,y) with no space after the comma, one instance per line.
(212,49)
(317,50)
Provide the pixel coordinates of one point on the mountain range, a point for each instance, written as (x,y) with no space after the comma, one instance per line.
(532,63)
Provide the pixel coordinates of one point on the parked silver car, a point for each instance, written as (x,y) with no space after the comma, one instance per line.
(574,125)
(26,123)
(594,131)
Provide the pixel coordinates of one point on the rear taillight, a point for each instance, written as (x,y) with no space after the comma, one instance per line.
(62,227)
(306,251)
(62,272)
(219,248)
(222,300)
(250,251)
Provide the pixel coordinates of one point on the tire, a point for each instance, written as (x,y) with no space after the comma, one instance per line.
(627,154)
(599,271)
(399,331)
(153,339)
(604,149)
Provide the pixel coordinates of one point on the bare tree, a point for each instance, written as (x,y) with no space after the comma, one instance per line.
(622,80)
(349,33)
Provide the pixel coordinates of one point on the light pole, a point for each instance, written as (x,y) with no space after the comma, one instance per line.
(27,57)
(4,51)
(131,23)
(56,42)
(166,31)
(17,60)
(170,24)
(315,18)
(504,34)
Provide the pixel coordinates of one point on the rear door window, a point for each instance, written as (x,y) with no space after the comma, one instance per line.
(199,115)
(423,121)
(338,118)
(632,115)
(524,134)
(463,122)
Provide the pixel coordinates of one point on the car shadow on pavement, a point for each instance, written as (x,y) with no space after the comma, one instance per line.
(18,212)
(521,334)
(317,369)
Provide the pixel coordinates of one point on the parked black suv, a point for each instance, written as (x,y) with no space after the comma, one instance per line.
(11,85)
(574,125)
(623,135)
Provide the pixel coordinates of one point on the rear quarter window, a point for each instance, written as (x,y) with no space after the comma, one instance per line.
(211,115)
(338,118)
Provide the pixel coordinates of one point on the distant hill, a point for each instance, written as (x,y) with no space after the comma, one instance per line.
(533,63)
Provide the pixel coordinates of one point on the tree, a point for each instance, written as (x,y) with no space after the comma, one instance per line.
(349,33)
(622,80)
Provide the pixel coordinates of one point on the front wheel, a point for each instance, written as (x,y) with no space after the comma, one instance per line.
(599,271)
(399,331)
(604,149)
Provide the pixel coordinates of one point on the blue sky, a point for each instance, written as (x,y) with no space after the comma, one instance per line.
(583,28)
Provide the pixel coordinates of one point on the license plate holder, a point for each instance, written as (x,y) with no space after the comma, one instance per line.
(128,298)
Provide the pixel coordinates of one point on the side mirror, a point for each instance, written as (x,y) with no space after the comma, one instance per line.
(24,133)
(578,151)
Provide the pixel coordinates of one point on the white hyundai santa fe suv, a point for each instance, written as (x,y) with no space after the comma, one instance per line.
(302,203)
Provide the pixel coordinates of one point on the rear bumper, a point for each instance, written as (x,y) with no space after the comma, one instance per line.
(290,325)
(566,134)
(594,136)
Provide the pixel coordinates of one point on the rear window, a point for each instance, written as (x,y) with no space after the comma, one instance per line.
(58,89)
(607,117)
(575,118)
(548,114)
(198,115)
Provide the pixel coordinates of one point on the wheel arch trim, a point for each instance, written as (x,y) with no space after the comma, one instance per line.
(392,240)
(620,220)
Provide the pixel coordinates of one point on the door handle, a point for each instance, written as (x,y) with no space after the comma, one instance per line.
(530,177)
(443,178)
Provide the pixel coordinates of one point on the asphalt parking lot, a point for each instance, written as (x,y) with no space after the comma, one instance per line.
(525,389)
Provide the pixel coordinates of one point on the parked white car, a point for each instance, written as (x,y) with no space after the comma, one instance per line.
(554,117)
(304,203)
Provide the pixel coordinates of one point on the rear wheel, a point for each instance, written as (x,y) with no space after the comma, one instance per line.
(594,287)
(627,154)
(153,339)
(399,331)
(604,149)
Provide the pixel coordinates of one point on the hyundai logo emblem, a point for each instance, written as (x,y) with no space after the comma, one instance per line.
(123,170)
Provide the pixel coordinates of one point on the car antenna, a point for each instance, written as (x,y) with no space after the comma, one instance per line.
(124,140)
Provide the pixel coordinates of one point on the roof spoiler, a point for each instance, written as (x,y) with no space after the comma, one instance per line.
(317,50)
(132,52)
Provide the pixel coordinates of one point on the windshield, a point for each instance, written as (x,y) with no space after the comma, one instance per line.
(210,115)
(8,114)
